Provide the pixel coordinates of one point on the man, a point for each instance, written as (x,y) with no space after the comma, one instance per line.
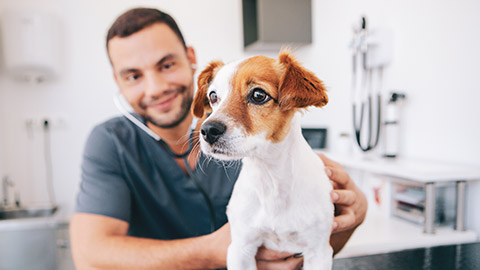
(139,206)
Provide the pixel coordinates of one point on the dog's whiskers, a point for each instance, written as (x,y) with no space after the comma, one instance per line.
(198,155)
(184,139)
(206,161)
(232,164)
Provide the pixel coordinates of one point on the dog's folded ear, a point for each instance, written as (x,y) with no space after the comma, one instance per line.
(299,88)
(200,102)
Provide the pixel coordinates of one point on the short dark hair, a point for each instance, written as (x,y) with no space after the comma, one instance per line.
(137,19)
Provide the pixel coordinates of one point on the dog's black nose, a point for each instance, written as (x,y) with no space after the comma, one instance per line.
(211,131)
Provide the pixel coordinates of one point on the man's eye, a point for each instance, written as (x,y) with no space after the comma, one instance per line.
(213,97)
(133,77)
(259,96)
(168,65)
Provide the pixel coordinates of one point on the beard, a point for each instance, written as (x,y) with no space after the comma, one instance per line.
(187,100)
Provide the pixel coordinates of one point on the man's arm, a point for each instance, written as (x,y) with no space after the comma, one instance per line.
(100,242)
(350,204)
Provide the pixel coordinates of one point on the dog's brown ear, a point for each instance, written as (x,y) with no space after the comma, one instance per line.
(200,102)
(299,88)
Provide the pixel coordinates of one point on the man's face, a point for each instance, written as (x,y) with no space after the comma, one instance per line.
(154,74)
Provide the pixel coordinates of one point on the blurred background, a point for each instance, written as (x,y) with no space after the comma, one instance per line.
(433,59)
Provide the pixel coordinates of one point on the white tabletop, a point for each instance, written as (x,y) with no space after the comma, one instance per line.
(410,169)
(382,234)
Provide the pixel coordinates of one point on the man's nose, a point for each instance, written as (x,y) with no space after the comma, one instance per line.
(156,84)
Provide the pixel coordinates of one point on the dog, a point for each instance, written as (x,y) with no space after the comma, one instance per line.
(281,199)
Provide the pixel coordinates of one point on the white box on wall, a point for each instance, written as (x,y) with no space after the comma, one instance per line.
(30,45)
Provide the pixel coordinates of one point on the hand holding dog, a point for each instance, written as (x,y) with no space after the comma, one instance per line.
(266,258)
(350,203)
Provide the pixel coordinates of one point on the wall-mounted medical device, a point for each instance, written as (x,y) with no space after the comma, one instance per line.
(30,45)
(392,124)
(372,50)
(269,25)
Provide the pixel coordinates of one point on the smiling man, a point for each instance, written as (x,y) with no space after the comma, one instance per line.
(160,91)
(148,204)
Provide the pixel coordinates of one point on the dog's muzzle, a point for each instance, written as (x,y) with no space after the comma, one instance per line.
(212,131)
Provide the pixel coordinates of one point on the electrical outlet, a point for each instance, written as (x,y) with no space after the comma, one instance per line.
(53,122)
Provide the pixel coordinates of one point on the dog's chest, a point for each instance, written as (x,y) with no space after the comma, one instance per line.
(281,224)
(287,214)
(292,241)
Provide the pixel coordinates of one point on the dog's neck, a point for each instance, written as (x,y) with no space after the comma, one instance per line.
(278,167)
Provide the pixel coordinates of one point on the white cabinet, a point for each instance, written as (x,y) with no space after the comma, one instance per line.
(35,243)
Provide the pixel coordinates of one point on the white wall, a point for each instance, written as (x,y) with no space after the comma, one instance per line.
(436,62)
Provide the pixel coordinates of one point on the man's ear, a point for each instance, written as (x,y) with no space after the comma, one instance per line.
(200,102)
(299,88)
(192,58)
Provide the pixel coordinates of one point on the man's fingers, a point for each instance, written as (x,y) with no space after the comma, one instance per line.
(338,175)
(271,255)
(335,172)
(328,162)
(345,221)
(344,197)
(288,264)
(334,185)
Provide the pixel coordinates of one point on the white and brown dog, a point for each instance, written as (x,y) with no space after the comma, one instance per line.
(282,197)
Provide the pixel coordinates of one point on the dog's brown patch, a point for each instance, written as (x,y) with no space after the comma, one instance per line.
(263,72)
(299,88)
(200,102)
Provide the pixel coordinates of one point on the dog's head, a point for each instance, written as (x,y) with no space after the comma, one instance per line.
(252,103)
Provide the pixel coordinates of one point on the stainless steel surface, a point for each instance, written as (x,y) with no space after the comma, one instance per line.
(429,208)
(26,212)
(460,218)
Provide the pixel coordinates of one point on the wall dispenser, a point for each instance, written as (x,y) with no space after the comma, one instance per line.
(30,45)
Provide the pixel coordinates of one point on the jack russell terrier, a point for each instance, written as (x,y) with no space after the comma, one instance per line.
(282,196)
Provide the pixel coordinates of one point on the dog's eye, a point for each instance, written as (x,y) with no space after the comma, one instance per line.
(213,97)
(259,96)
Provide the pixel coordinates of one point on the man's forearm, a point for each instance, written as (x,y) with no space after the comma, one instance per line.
(125,252)
(101,242)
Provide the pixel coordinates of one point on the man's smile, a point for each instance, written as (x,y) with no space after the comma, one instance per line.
(166,104)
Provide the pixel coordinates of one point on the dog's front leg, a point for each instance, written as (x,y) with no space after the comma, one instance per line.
(241,253)
(319,259)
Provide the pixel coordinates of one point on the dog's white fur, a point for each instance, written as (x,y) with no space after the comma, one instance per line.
(282,197)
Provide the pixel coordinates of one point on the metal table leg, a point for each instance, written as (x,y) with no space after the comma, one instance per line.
(429,208)
(460,213)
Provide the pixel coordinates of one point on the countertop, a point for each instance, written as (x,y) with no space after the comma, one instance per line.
(419,170)
(451,257)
